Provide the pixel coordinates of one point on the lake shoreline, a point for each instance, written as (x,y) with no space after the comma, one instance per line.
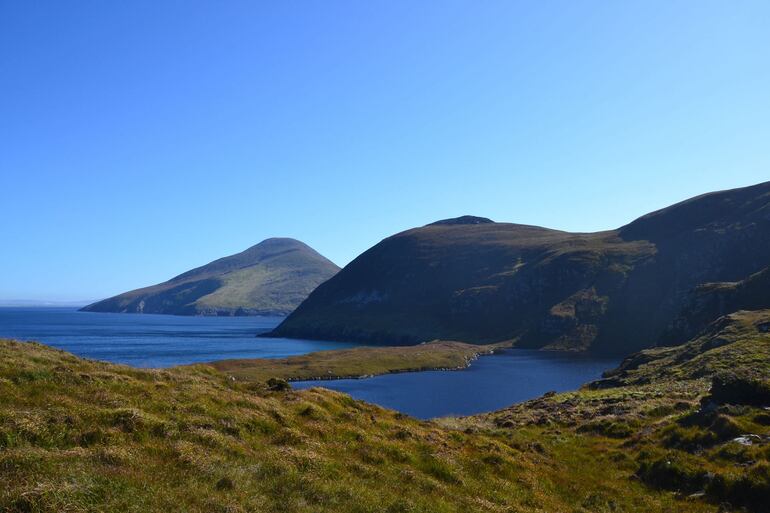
(394,371)
(411,379)
(359,363)
(484,385)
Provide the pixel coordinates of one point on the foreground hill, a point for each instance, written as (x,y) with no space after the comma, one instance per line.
(78,435)
(617,291)
(684,429)
(693,419)
(271,278)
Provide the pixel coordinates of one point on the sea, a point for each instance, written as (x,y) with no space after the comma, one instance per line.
(149,340)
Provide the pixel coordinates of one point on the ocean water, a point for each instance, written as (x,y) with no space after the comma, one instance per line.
(153,340)
(490,383)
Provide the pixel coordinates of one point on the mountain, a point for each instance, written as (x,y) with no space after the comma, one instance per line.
(616,291)
(271,278)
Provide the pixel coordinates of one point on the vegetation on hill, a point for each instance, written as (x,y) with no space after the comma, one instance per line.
(693,419)
(672,429)
(78,435)
(618,291)
(712,300)
(357,362)
(271,278)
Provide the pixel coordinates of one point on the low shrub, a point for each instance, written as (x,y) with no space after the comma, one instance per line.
(437,468)
(609,428)
(750,489)
(670,472)
(763,419)
(278,385)
(689,438)
(735,453)
(225,484)
(700,430)
(729,387)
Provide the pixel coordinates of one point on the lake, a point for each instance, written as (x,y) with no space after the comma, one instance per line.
(153,340)
(490,383)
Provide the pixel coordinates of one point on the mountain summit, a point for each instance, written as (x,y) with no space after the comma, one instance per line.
(271,278)
(462,220)
(659,278)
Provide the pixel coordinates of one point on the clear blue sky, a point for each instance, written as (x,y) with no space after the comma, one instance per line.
(140,139)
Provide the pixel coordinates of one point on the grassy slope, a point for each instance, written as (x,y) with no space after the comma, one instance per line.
(357,362)
(270,278)
(78,435)
(614,292)
(267,289)
(478,283)
(655,418)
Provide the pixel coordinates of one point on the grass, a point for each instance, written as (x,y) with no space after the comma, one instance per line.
(672,429)
(473,283)
(357,362)
(691,419)
(79,435)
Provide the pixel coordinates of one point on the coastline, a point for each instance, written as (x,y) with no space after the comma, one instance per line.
(359,363)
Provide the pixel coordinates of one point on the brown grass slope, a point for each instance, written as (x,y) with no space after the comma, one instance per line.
(357,362)
(271,278)
(693,419)
(477,281)
(82,436)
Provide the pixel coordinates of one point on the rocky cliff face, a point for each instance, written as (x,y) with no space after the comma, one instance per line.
(475,280)
(709,301)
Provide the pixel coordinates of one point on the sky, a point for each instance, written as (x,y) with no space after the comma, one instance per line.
(141,139)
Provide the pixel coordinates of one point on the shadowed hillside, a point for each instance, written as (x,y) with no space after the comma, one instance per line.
(475,280)
(271,278)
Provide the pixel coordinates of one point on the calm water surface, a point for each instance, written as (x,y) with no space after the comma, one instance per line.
(152,340)
(490,383)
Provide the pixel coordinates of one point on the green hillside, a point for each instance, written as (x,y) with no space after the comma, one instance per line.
(478,281)
(677,429)
(692,419)
(271,278)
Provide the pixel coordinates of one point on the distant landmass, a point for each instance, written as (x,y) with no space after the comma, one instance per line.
(271,278)
(41,303)
(660,278)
